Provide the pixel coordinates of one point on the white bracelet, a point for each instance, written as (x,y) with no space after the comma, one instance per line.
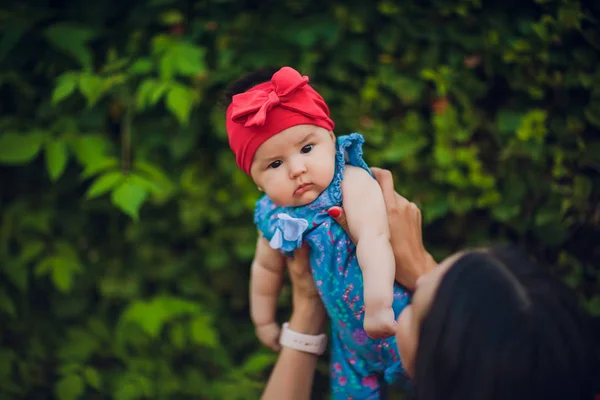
(314,344)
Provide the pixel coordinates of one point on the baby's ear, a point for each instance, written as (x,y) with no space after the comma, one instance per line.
(332,136)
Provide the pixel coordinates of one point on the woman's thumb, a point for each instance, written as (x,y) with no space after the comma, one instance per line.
(337,213)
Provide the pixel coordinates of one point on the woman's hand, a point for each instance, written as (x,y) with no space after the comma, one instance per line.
(308,315)
(406,236)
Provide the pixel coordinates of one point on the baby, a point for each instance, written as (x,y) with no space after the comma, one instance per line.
(282,137)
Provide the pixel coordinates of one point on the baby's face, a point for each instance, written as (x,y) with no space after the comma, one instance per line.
(296,165)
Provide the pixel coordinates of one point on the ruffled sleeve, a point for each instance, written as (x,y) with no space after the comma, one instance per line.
(350,152)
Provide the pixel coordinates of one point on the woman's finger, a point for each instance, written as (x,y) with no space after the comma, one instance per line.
(339,216)
(386,182)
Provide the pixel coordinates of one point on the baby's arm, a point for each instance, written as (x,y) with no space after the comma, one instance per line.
(367,222)
(265,284)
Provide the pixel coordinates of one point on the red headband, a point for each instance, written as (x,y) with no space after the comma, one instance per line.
(266,109)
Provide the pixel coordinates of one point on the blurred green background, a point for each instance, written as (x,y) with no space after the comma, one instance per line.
(126,229)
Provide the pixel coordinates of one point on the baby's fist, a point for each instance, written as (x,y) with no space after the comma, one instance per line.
(380,323)
(268,334)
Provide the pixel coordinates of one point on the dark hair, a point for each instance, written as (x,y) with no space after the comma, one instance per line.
(500,327)
(246,82)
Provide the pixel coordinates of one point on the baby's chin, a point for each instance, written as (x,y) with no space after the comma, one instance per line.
(304,200)
(297,201)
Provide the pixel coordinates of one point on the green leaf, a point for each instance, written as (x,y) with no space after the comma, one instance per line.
(99,165)
(69,368)
(6,304)
(142,93)
(129,197)
(509,121)
(179,102)
(151,316)
(593,306)
(258,363)
(506,211)
(62,270)
(152,171)
(203,332)
(19,149)
(166,67)
(114,64)
(133,386)
(187,58)
(44,267)
(104,183)
(144,183)
(78,346)
(436,209)
(71,39)
(63,273)
(592,113)
(141,66)
(146,317)
(38,221)
(7,359)
(162,185)
(582,187)
(17,274)
(31,249)
(157,92)
(178,336)
(171,17)
(149,92)
(56,158)
(70,387)
(92,87)
(570,16)
(66,84)
(90,149)
(92,377)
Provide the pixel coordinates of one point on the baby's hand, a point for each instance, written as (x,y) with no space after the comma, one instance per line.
(268,334)
(379,323)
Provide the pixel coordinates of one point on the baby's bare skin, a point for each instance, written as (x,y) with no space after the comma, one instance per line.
(269,335)
(369,227)
(380,323)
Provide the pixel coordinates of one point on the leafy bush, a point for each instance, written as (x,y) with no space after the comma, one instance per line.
(127,233)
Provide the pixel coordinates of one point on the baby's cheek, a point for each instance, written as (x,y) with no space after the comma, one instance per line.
(327,170)
(280,197)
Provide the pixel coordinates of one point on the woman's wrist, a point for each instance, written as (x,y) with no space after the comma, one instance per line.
(431,263)
(414,267)
(308,317)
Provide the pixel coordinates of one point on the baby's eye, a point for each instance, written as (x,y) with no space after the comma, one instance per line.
(275,164)
(306,149)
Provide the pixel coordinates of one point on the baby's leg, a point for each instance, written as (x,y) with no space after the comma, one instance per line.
(350,379)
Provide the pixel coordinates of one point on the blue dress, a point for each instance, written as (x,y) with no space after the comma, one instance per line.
(360,366)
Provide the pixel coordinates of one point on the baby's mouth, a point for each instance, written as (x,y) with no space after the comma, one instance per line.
(302,188)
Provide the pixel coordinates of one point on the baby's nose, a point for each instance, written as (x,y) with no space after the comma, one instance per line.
(297,168)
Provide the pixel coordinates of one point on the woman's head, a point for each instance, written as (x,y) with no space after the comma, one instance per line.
(267,121)
(490,324)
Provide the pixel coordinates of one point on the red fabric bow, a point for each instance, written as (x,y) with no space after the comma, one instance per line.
(287,88)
